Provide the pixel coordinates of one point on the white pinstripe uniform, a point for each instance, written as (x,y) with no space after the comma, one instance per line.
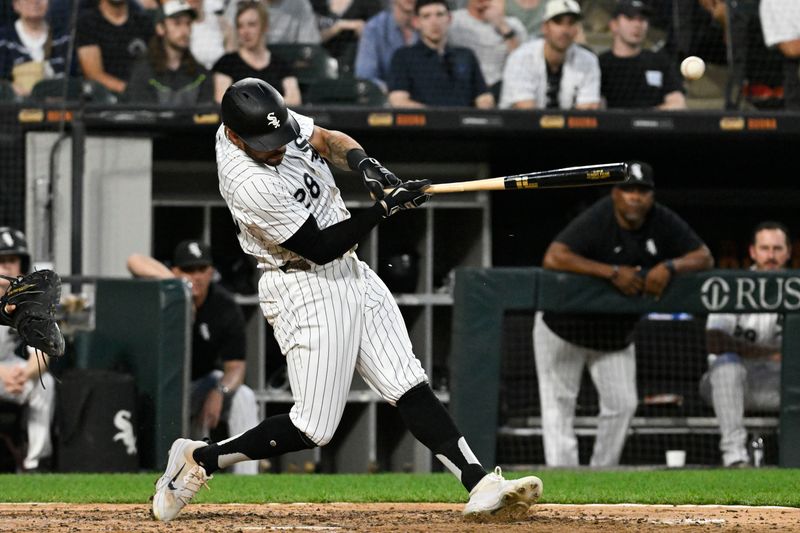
(734,384)
(328,319)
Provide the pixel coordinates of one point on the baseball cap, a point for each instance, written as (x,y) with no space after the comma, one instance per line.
(631,8)
(555,8)
(641,174)
(192,253)
(172,8)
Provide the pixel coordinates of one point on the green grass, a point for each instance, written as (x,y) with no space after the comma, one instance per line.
(745,487)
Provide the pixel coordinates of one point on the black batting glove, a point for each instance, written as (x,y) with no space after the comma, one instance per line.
(376,177)
(407,195)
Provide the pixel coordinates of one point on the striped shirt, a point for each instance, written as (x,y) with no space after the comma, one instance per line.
(269,204)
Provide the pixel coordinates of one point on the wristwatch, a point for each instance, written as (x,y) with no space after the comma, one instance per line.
(224,389)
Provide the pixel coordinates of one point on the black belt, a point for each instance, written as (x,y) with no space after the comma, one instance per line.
(300,264)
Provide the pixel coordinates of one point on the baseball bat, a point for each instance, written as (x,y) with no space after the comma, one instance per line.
(584,176)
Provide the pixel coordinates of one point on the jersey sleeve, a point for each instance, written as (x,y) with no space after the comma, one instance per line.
(269,210)
(680,238)
(724,322)
(580,234)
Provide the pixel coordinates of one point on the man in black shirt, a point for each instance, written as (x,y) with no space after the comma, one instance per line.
(432,73)
(109,38)
(637,245)
(169,74)
(631,76)
(218,340)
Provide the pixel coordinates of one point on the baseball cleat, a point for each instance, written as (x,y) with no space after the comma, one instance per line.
(180,482)
(500,498)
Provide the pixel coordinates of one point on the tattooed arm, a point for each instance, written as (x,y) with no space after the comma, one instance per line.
(333,145)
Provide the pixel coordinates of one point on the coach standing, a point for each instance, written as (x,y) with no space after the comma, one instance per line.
(637,245)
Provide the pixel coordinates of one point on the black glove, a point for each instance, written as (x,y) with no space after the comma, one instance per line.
(407,195)
(35,296)
(376,176)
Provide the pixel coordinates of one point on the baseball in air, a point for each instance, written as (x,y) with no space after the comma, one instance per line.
(693,68)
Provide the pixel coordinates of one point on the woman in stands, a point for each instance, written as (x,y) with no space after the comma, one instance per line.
(253,59)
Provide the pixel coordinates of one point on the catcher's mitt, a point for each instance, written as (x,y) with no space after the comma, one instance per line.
(35,296)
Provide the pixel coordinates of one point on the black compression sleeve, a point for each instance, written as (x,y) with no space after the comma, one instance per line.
(323,246)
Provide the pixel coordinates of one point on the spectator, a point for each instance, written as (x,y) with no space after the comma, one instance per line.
(253,59)
(19,379)
(212,35)
(637,245)
(631,76)
(341,25)
(292,21)
(383,34)
(745,353)
(433,73)
(109,39)
(553,72)
(30,50)
(483,28)
(217,337)
(169,74)
(780,21)
(529,12)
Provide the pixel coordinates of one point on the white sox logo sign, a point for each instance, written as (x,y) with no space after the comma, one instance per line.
(751,294)
(273,120)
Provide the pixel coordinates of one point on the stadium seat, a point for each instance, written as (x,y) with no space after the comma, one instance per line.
(52,90)
(348,91)
(309,62)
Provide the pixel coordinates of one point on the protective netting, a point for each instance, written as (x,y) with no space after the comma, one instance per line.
(161,55)
(671,414)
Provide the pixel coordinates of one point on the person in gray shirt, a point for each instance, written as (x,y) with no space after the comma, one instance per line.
(483,28)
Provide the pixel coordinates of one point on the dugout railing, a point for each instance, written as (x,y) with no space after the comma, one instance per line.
(486,298)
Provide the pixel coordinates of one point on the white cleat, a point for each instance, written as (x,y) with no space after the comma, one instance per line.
(500,498)
(180,482)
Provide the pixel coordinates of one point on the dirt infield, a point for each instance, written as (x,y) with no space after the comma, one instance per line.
(393,517)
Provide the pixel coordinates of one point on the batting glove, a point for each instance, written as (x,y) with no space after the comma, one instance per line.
(376,177)
(407,195)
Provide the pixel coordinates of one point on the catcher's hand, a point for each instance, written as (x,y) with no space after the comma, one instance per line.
(29,306)
(408,195)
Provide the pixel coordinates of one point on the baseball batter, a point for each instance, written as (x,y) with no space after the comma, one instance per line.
(330,312)
(745,353)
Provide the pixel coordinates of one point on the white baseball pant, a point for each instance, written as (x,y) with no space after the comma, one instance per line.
(732,386)
(559,366)
(40,402)
(329,321)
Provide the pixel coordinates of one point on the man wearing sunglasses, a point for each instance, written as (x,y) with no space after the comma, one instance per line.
(637,245)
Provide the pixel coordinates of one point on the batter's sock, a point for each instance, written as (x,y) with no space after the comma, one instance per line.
(431,424)
(274,436)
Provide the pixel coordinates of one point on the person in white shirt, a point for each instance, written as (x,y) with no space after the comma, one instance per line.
(780,23)
(212,34)
(745,353)
(483,28)
(553,72)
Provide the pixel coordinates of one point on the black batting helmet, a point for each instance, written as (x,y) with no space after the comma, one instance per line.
(13,242)
(256,112)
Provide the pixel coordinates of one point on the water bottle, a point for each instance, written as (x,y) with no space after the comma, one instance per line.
(757,447)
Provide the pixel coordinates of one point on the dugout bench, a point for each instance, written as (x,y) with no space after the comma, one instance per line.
(484,296)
